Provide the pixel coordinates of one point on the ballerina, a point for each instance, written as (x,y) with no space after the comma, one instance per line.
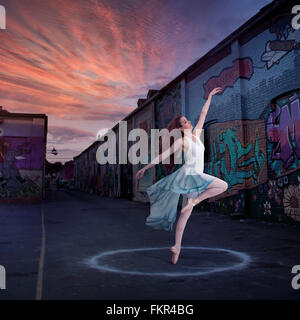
(189,180)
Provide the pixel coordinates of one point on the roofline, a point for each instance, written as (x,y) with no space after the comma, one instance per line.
(231,38)
(22,115)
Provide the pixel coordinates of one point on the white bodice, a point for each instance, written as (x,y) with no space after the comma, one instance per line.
(194,157)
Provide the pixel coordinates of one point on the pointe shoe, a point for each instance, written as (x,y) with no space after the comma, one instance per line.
(176,253)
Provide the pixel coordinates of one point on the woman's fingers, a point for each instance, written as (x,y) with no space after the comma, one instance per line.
(216,90)
(139,174)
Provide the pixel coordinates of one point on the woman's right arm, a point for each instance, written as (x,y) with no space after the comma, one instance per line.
(164,155)
(174,147)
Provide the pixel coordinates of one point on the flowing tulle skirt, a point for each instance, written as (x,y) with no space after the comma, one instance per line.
(165,193)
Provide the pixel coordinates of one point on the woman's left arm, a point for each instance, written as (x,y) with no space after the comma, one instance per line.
(198,128)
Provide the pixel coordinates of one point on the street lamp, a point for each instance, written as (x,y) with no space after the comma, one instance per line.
(54,151)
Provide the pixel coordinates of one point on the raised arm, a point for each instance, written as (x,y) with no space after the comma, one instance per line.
(198,128)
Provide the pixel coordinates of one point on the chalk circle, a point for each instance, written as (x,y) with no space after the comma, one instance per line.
(95,262)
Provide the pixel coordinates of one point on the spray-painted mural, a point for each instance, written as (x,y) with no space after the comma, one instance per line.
(283,133)
(240,69)
(237,154)
(284,42)
(283,147)
(21,161)
(253,142)
(252,139)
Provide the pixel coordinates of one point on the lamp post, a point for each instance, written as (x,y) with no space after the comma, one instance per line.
(54,151)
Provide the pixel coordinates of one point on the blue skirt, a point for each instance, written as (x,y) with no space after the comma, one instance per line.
(165,193)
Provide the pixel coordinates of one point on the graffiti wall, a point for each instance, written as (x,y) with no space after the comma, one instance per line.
(252,129)
(237,154)
(252,126)
(22,160)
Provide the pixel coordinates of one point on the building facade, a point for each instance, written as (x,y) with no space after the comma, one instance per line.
(23,140)
(252,129)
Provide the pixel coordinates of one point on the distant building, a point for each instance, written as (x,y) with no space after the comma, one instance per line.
(68,170)
(23,139)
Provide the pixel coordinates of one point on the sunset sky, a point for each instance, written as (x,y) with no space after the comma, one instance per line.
(85,63)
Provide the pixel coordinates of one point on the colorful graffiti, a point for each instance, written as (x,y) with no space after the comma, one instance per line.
(283,134)
(284,43)
(21,168)
(258,158)
(241,68)
(291,201)
(237,155)
(283,150)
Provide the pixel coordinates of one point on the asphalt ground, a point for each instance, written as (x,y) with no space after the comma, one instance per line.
(76,245)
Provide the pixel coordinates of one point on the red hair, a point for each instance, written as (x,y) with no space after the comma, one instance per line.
(175,124)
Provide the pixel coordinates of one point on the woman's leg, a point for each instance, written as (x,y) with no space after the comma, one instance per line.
(181,223)
(216,187)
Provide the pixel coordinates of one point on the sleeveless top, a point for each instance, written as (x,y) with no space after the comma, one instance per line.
(189,179)
(194,157)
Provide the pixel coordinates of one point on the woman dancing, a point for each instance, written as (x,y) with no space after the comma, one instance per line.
(189,180)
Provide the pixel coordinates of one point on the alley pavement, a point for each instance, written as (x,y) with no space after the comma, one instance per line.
(76,245)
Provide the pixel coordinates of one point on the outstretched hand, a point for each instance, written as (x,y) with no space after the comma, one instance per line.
(140,173)
(215,90)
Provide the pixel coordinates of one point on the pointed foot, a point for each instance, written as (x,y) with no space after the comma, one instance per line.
(176,252)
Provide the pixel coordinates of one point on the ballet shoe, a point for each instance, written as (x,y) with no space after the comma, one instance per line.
(175,254)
